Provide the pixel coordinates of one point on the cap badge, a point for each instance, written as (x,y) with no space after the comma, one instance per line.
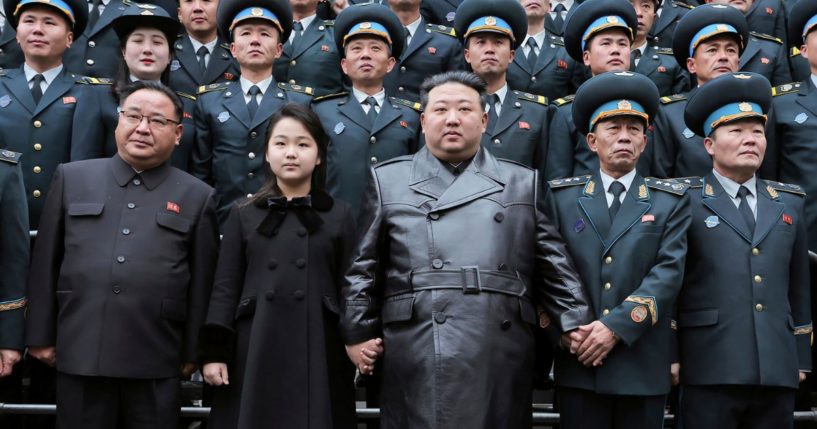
(612,19)
(624,105)
(490,20)
(256,11)
(745,107)
(365,25)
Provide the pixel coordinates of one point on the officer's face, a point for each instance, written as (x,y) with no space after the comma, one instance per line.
(147,53)
(608,51)
(453,122)
(304,5)
(714,57)
(256,44)
(742,5)
(400,5)
(367,60)
(292,154)
(198,16)
(147,143)
(618,142)
(737,148)
(809,50)
(489,54)
(43,33)
(536,8)
(645,11)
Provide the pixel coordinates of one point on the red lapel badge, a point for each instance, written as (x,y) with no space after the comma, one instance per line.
(769,11)
(662,69)
(187,116)
(764,60)
(562,64)
(647,218)
(787,219)
(173,207)
(325,48)
(229,76)
(404,124)
(432,50)
(524,125)
(69,100)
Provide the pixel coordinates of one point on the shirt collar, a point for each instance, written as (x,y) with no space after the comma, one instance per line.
(626,180)
(567,3)
(502,93)
(263,85)
(412,28)
(380,97)
(48,75)
(538,37)
(211,45)
(307,21)
(814,80)
(731,187)
(642,48)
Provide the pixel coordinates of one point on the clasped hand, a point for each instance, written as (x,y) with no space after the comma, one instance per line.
(365,354)
(591,343)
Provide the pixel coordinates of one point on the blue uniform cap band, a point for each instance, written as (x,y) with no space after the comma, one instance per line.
(732,112)
(708,32)
(490,24)
(59,4)
(615,108)
(809,26)
(604,23)
(256,13)
(367,27)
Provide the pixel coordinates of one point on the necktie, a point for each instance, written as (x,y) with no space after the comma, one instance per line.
(408,36)
(202,54)
(493,101)
(635,55)
(36,90)
(745,210)
(252,106)
(297,29)
(372,115)
(532,57)
(616,188)
(558,20)
(93,16)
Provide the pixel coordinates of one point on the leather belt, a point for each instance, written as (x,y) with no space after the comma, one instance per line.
(470,279)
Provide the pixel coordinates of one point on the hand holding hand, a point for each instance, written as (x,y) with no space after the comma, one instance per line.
(364,354)
(215,373)
(675,371)
(47,354)
(597,344)
(8,358)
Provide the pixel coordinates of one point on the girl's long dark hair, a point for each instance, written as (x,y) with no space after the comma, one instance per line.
(312,123)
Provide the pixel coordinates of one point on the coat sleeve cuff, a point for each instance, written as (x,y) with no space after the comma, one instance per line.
(216,344)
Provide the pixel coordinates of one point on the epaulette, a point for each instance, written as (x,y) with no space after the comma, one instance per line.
(225,46)
(329,22)
(127,2)
(186,95)
(329,96)
(785,187)
(570,181)
(89,80)
(2,72)
(682,4)
(564,100)
(692,181)
(794,51)
(10,156)
(541,99)
(766,37)
(557,41)
(297,88)
(673,98)
(411,104)
(670,186)
(786,89)
(664,51)
(221,86)
(442,29)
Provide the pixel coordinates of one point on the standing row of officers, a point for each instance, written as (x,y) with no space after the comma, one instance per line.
(704,266)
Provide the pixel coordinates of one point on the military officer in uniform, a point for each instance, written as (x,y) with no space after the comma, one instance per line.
(310,57)
(763,16)
(627,236)
(96,51)
(11,56)
(667,16)
(430,49)
(744,319)
(598,33)
(652,61)
(368,125)
(231,117)
(517,121)
(202,56)
(549,70)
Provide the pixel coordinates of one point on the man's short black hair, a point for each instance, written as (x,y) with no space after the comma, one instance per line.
(129,89)
(468,79)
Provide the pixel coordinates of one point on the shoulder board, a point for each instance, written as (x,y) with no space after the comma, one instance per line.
(10,156)
(785,187)
(442,29)
(794,51)
(411,104)
(664,51)
(186,95)
(296,88)
(221,86)
(541,99)
(786,89)
(766,37)
(555,39)
(692,182)
(2,72)
(671,186)
(89,80)
(673,98)
(570,181)
(395,160)
(127,2)
(683,5)
(329,96)
(225,46)
(329,22)
(564,100)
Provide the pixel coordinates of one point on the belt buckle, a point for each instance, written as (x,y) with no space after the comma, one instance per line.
(470,279)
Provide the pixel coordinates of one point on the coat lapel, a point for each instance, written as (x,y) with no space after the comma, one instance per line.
(547,55)
(752,49)
(311,36)
(19,88)
(807,97)
(61,84)
(220,61)
(481,178)
(648,63)
(769,211)
(665,20)
(636,203)
(720,203)
(187,57)
(272,101)
(233,100)
(421,36)
(112,10)
(387,115)
(352,110)
(8,34)
(520,60)
(428,176)
(511,111)
(550,26)
(594,205)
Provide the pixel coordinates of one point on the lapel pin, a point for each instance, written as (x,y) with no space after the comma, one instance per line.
(648,218)
(223,116)
(800,118)
(173,207)
(524,125)
(579,226)
(339,127)
(688,133)
(432,50)
(69,100)
(712,221)
(788,219)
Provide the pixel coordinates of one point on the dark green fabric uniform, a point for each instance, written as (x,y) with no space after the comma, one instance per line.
(11,56)
(554,75)
(800,68)
(768,17)
(14,250)
(96,51)
(521,131)
(664,26)
(185,76)
(440,11)
(660,66)
(766,55)
(315,62)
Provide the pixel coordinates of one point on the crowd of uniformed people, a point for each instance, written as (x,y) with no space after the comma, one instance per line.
(134,134)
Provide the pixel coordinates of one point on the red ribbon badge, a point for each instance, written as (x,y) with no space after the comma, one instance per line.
(562,64)
(173,207)
(69,100)
(524,125)
(229,76)
(647,218)
(432,50)
(662,69)
(404,124)
(325,48)
(769,11)
(764,60)
(787,219)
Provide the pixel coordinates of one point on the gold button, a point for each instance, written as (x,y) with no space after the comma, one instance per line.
(605,312)
(37,169)
(372,139)
(400,88)
(497,141)
(38,147)
(402,68)
(759,307)
(36,193)
(755,251)
(38,124)
(292,81)
(91,43)
(533,78)
(608,260)
(293,62)
(90,62)
(374,160)
(607,286)
(251,155)
(758,279)
(253,135)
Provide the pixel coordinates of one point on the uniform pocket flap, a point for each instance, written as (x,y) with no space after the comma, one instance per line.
(174,310)
(527,312)
(331,304)
(173,222)
(692,319)
(245,308)
(85,209)
(398,310)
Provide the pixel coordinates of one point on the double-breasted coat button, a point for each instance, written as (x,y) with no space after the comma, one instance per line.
(38,124)
(298,294)
(116,289)
(120,259)
(250,174)
(251,155)
(505,325)
(758,279)
(125,231)
(533,78)
(269,295)
(301,232)
(372,139)
(434,216)
(273,264)
(300,263)
(38,147)
(439,317)
(759,307)
(37,169)
(497,141)
(499,217)
(89,62)
(373,160)
(131,205)
(293,62)
(91,43)
(437,264)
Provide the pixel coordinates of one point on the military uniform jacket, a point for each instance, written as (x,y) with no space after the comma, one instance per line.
(440,11)
(660,66)
(11,55)
(185,76)
(554,75)
(521,132)
(355,144)
(125,264)
(14,252)
(448,270)
(744,310)
(42,132)
(664,26)
(768,17)
(767,56)
(800,68)
(631,269)
(315,62)
(434,49)
(229,149)
(97,51)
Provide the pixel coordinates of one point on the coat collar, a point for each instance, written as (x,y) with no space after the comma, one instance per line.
(806,96)
(123,173)
(769,209)
(593,202)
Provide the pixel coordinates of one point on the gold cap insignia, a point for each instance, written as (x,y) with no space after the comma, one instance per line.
(256,11)
(624,73)
(722,27)
(490,20)
(365,25)
(625,105)
(745,107)
(146,13)
(741,76)
(146,6)
(612,19)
